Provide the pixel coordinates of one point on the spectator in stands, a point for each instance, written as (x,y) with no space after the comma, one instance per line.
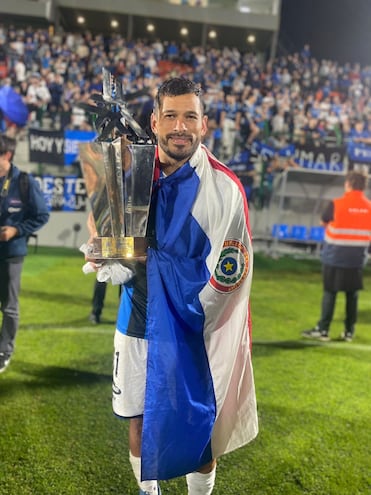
(306,53)
(359,133)
(214,108)
(243,165)
(332,128)
(65,116)
(20,71)
(312,132)
(55,85)
(229,125)
(284,156)
(298,123)
(248,130)
(37,99)
(344,255)
(79,118)
(278,122)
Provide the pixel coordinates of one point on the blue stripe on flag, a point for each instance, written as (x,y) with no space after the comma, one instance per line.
(180,404)
(180,407)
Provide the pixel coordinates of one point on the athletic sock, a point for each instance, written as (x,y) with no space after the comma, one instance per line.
(150,487)
(200,483)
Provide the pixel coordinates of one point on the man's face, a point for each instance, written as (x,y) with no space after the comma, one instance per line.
(5,159)
(179,126)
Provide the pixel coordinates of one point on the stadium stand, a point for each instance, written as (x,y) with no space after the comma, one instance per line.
(295,124)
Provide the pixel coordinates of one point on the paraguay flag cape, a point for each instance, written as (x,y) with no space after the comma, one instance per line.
(200,397)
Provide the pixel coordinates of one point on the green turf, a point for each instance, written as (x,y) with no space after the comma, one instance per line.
(58,433)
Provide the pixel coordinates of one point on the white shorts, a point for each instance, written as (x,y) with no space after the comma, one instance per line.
(129,375)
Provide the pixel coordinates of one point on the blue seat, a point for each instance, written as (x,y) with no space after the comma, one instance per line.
(317,234)
(280,231)
(299,232)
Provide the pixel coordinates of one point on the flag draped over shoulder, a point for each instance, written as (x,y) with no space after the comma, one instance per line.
(200,397)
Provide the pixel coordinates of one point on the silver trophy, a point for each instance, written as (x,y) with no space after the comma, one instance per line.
(118,171)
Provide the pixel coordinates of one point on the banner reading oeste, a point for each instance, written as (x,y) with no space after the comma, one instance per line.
(66,193)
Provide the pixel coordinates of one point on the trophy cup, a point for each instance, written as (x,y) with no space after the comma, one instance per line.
(118,171)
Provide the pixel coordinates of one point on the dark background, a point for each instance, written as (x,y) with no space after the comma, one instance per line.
(335,29)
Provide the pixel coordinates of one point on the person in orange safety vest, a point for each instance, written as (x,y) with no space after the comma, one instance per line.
(344,255)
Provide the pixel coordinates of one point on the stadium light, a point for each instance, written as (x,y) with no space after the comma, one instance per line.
(114,23)
(150,27)
(184,31)
(251,39)
(212,34)
(243,6)
(80,19)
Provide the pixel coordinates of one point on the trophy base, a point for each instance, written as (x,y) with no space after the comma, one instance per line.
(128,248)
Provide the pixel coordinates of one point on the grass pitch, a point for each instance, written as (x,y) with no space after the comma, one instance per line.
(58,433)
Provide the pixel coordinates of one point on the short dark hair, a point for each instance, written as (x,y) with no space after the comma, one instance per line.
(356,180)
(7,144)
(177,86)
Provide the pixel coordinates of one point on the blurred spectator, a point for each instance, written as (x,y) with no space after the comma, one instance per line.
(55,85)
(229,124)
(20,71)
(37,99)
(359,133)
(243,165)
(312,132)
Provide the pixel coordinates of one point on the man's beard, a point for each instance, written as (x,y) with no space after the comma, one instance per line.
(179,153)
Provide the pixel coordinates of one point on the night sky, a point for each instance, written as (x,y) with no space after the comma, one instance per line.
(335,29)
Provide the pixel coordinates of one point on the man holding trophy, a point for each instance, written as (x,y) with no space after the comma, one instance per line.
(182,369)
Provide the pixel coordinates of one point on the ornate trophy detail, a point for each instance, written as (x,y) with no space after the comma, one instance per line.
(118,171)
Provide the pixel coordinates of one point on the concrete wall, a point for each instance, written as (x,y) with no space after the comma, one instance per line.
(61,230)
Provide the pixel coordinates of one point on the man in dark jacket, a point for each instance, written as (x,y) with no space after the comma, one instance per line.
(19,218)
(347,239)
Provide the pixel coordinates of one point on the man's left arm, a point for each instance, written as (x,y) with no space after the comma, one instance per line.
(36,214)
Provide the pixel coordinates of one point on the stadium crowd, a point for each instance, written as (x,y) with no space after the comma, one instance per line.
(294,98)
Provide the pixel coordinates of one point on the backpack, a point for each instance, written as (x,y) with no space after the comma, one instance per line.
(24,187)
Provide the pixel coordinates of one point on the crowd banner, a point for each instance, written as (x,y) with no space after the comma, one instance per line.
(329,159)
(72,140)
(46,146)
(359,156)
(359,152)
(63,193)
(56,147)
(264,150)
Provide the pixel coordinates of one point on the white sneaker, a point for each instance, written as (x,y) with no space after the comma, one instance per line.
(4,361)
(316,333)
(346,336)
